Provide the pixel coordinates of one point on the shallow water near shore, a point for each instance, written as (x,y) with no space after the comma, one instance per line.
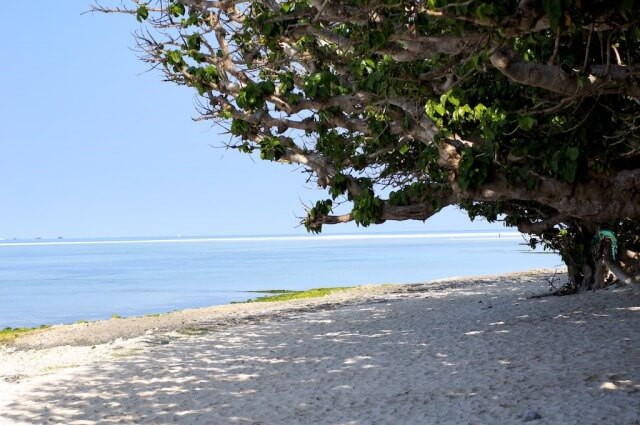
(62,281)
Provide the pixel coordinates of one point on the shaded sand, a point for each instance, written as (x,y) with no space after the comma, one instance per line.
(461,351)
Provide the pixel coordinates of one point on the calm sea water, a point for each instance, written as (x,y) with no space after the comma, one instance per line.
(65,281)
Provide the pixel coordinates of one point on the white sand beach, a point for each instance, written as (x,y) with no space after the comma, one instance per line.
(460,351)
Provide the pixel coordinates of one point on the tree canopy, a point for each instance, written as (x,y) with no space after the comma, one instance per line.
(526,112)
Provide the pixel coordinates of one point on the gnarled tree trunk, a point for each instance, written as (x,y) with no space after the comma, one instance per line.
(592,262)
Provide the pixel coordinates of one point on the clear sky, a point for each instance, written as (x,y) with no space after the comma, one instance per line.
(92,145)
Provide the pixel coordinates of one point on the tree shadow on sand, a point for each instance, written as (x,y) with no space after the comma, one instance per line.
(483,356)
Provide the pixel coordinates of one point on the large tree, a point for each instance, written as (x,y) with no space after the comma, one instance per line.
(527,112)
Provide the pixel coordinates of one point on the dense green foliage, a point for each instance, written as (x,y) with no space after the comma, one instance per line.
(526,112)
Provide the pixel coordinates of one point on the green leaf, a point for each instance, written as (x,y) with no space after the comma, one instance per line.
(239,127)
(573,153)
(271,149)
(310,87)
(339,185)
(372,82)
(321,84)
(555,12)
(321,208)
(142,13)
(568,171)
(174,57)
(211,73)
(367,208)
(554,164)
(287,82)
(473,169)
(193,19)
(250,97)
(485,10)
(267,88)
(177,9)
(526,123)
(246,148)
(453,100)
(193,41)
(368,64)
(267,29)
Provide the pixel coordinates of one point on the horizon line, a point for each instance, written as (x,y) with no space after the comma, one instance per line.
(191,239)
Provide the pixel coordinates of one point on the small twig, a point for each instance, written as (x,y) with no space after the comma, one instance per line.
(608,53)
(321,11)
(556,47)
(552,280)
(618,59)
(586,53)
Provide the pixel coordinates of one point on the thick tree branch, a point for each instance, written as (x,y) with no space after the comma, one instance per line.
(540,226)
(562,79)
(595,200)
(418,211)
(408,47)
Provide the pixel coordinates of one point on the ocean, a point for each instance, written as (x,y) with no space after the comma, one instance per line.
(63,281)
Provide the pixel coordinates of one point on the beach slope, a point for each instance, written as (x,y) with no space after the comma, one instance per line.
(474,350)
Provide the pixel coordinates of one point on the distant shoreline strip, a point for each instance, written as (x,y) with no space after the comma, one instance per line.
(462,236)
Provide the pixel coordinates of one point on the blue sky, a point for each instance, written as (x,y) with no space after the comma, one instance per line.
(92,145)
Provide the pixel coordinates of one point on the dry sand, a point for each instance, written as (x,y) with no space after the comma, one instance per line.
(461,351)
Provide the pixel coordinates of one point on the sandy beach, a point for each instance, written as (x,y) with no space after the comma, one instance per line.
(458,351)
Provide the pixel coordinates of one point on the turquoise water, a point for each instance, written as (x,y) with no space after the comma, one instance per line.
(64,281)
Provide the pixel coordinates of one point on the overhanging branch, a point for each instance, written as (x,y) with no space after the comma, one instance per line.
(540,226)
(417,211)
(561,79)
